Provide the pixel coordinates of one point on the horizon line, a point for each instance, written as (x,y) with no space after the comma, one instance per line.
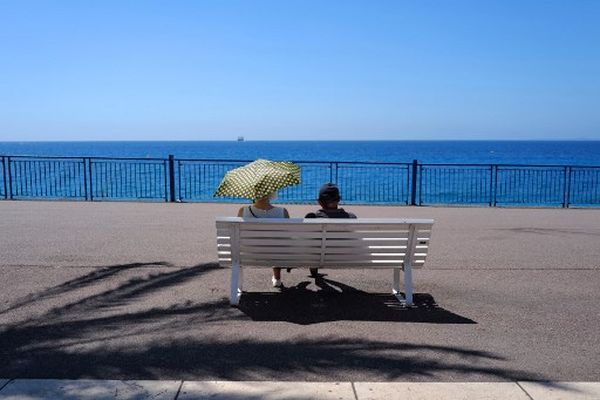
(303,140)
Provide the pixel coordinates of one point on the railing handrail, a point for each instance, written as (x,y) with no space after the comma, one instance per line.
(483,165)
(424,164)
(88,158)
(295,161)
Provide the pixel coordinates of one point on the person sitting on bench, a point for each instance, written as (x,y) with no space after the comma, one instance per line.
(329,198)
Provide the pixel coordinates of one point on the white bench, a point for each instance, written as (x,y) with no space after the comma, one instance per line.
(398,244)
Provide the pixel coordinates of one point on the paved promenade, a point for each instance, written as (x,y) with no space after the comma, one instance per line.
(131,291)
(86,389)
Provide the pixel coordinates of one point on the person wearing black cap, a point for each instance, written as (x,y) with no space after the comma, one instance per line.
(329,199)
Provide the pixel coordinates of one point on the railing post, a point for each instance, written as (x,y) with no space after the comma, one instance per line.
(413,191)
(495,186)
(10,191)
(492,185)
(4,178)
(179,180)
(90,179)
(336,173)
(171,178)
(85,186)
(333,166)
(566,197)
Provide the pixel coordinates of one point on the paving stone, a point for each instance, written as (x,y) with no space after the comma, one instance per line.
(34,389)
(219,390)
(439,390)
(562,390)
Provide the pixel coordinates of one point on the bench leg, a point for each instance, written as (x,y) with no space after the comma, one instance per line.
(235,293)
(396,287)
(407,299)
(408,287)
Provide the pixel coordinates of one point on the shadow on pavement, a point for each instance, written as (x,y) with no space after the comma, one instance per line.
(211,358)
(98,275)
(336,301)
(105,335)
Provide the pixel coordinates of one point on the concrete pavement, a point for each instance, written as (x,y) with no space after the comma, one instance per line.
(130,291)
(228,390)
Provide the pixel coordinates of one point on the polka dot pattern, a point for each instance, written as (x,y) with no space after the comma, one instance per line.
(258,179)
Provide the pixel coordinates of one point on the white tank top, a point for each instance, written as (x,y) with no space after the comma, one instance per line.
(253,212)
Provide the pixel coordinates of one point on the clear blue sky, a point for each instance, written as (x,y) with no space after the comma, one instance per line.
(203,70)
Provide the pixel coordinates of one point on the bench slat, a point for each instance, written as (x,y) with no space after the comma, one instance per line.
(336,226)
(306,221)
(318,235)
(283,242)
(279,250)
(272,257)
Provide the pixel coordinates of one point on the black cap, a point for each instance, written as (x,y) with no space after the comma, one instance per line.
(329,192)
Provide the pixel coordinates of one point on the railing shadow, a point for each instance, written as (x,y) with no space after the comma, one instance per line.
(336,301)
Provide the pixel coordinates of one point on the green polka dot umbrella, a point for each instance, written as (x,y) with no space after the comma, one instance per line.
(258,179)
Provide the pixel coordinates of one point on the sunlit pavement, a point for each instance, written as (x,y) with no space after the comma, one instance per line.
(182,390)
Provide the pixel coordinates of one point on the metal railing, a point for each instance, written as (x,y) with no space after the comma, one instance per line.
(189,180)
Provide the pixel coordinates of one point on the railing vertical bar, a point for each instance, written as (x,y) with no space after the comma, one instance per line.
(331,172)
(14,186)
(568,172)
(165,168)
(171,177)
(4,178)
(413,193)
(27,184)
(420,183)
(34,178)
(90,179)
(46,184)
(85,184)
(10,180)
(495,191)
(62,181)
(179,180)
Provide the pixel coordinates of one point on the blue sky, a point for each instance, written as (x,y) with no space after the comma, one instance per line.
(299,70)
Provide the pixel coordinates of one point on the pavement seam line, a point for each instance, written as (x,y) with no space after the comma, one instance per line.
(523,389)
(178,390)
(6,384)
(354,390)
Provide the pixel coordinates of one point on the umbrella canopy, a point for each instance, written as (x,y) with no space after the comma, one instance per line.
(258,179)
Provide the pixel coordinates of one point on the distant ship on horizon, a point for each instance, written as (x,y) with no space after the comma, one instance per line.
(240,139)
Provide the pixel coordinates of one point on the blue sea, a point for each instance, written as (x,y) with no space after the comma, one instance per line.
(477,152)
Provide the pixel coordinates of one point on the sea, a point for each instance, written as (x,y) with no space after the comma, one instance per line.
(580,153)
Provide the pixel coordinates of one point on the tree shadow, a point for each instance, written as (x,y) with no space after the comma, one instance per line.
(93,277)
(336,301)
(213,358)
(205,340)
(124,293)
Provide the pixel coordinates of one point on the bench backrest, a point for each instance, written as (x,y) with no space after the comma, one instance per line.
(321,242)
